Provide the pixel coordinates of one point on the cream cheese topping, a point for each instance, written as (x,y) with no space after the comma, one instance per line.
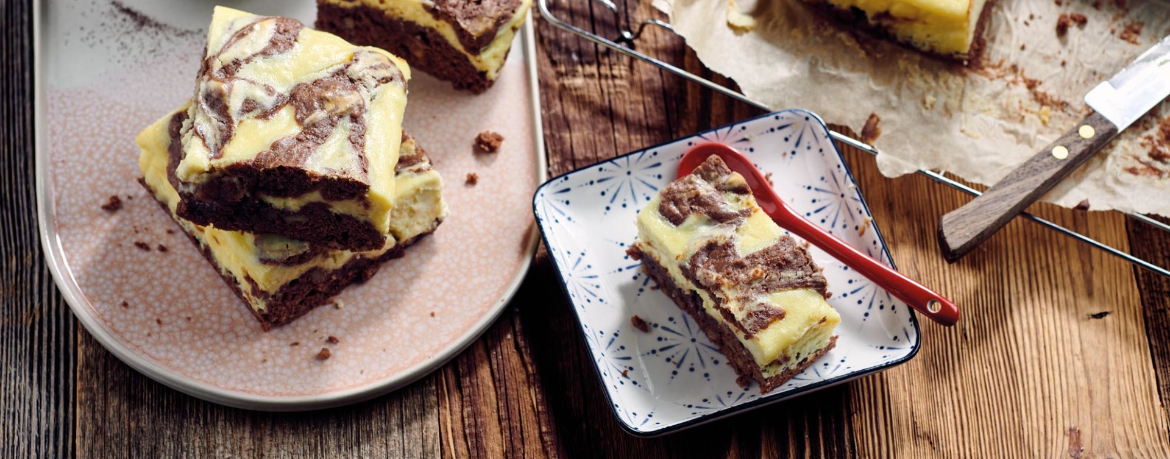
(274,94)
(808,320)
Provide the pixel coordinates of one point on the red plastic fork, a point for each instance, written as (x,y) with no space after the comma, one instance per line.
(919,297)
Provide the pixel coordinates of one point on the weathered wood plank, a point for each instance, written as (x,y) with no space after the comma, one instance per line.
(1027,364)
(36,328)
(122,413)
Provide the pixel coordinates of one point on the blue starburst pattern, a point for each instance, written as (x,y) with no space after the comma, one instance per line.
(670,375)
(629,181)
(680,343)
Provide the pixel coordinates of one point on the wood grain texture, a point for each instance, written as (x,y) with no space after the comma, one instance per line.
(1029,372)
(36,328)
(1029,362)
(963,229)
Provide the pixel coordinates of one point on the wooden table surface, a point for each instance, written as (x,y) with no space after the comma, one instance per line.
(1062,350)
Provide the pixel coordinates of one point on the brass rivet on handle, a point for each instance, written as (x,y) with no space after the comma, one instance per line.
(1087,132)
(1059,152)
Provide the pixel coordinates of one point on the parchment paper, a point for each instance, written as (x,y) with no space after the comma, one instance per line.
(978,122)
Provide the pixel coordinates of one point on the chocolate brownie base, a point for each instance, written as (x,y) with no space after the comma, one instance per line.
(312,289)
(313,223)
(856,20)
(738,357)
(423,48)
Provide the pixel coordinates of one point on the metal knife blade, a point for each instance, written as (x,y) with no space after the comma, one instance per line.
(1136,89)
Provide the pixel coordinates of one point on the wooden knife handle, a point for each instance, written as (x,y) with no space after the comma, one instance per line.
(962,229)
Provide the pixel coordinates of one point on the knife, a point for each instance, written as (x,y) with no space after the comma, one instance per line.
(1116,105)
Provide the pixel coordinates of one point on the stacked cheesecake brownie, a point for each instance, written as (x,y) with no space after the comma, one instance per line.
(464,42)
(754,291)
(289,167)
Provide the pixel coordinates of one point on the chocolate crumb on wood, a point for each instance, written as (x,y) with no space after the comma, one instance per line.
(324,354)
(332,340)
(640,324)
(488,142)
(472,178)
(871,131)
(142,246)
(113,204)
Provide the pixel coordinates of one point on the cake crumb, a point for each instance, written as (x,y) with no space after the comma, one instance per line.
(432,313)
(488,142)
(864,226)
(737,20)
(161,248)
(1096,4)
(324,354)
(871,131)
(125,305)
(626,373)
(158,321)
(338,304)
(768,177)
(332,340)
(1083,205)
(170,231)
(640,324)
(1132,32)
(1062,24)
(472,178)
(1100,315)
(113,204)
(1059,2)
(294,344)
(142,246)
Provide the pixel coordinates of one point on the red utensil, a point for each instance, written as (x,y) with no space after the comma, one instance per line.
(919,297)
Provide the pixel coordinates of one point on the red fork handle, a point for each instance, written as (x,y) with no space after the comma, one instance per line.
(922,299)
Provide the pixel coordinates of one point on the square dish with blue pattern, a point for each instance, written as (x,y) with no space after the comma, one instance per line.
(672,377)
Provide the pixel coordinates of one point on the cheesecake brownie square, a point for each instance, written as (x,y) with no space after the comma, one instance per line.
(280,278)
(292,132)
(754,291)
(950,29)
(464,42)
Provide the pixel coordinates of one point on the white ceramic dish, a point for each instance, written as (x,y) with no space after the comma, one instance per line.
(107,69)
(673,377)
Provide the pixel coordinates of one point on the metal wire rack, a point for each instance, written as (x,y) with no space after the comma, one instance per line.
(626,36)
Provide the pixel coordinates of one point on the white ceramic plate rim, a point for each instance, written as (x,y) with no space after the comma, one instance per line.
(59,267)
(765,400)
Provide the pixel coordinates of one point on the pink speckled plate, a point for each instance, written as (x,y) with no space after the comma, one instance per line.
(107,69)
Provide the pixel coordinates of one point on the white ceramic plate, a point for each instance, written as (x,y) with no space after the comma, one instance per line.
(673,377)
(107,69)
